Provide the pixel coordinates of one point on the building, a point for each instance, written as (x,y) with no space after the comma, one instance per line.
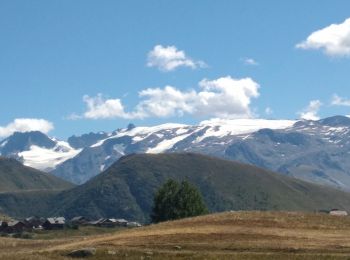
(54,223)
(109,222)
(106,222)
(12,227)
(3,226)
(120,222)
(337,212)
(80,220)
(34,222)
(133,224)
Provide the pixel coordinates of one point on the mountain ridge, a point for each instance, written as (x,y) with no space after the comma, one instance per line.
(314,151)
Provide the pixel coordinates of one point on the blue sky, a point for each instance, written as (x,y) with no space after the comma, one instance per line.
(53,53)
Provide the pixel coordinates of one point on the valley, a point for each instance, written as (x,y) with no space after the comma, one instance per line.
(174,130)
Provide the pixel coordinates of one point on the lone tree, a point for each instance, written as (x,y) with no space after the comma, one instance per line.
(177,200)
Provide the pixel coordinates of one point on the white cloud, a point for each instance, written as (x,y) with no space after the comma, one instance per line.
(26,125)
(165,102)
(311,111)
(98,107)
(250,61)
(340,101)
(224,97)
(227,97)
(170,58)
(334,39)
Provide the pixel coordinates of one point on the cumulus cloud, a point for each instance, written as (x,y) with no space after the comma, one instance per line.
(170,58)
(340,101)
(334,39)
(311,111)
(98,107)
(26,125)
(227,97)
(250,61)
(165,102)
(223,97)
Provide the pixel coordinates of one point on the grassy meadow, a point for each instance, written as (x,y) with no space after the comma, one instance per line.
(231,235)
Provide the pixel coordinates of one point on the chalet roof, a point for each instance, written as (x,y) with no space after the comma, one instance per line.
(58,220)
(101,220)
(15,223)
(134,224)
(78,218)
(120,220)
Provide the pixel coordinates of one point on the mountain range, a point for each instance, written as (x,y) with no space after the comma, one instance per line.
(315,151)
(126,189)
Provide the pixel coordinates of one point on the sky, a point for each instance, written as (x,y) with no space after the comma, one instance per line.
(72,67)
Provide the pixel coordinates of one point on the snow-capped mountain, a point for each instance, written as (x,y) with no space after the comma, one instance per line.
(209,137)
(37,150)
(316,151)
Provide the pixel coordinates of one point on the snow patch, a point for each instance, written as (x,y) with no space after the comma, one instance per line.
(119,148)
(3,143)
(141,133)
(225,127)
(166,144)
(47,159)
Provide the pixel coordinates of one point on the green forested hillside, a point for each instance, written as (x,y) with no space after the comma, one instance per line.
(127,188)
(16,177)
(27,203)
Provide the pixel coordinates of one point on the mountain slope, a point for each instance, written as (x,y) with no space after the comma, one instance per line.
(86,140)
(126,189)
(37,150)
(314,151)
(23,204)
(210,137)
(16,177)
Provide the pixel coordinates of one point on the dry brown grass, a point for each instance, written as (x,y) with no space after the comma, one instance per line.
(4,218)
(238,235)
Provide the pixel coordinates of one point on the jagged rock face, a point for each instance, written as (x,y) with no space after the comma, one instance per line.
(86,140)
(20,142)
(318,152)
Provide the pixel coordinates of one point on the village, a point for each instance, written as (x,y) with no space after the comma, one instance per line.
(57,223)
(35,223)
